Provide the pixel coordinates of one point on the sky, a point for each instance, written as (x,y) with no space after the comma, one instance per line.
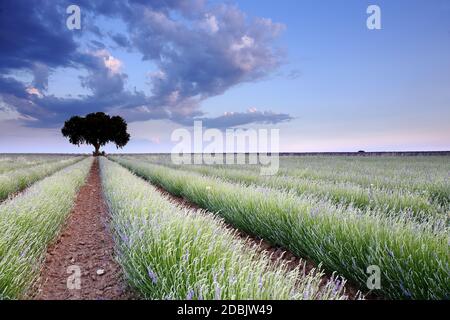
(311,69)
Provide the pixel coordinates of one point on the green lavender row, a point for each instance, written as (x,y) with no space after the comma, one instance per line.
(413,260)
(388,201)
(29,222)
(168,252)
(426,176)
(14,162)
(434,186)
(17,180)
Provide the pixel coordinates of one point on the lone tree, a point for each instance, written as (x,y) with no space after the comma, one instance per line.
(96,129)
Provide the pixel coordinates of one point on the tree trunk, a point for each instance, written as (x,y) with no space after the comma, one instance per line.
(97,150)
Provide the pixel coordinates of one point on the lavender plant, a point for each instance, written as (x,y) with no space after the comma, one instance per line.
(19,179)
(169,252)
(412,256)
(29,222)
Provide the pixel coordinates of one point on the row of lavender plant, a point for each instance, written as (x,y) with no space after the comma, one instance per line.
(425,176)
(9,163)
(415,187)
(413,258)
(169,252)
(391,202)
(17,180)
(29,222)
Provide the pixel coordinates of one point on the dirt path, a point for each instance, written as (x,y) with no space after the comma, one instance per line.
(85,244)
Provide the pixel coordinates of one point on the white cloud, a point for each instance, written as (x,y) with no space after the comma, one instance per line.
(245,42)
(173,97)
(157,75)
(114,65)
(210,23)
(34,91)
(7,112)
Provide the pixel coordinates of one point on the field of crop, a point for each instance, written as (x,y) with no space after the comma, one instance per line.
(19,174)
(30,221)
(391,212)
(342,214)
(171,253)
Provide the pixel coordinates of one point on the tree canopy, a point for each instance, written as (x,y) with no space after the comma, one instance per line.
(96,129)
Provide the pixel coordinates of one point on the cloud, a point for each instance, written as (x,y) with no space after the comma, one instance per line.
(121,40)
(201,50)
(35,91)
(105,76)
(235,119)
(97,44)
(33,33)
(224,50)
(7,112)
(40,76)
(209,23)
(294,74)
(11,86)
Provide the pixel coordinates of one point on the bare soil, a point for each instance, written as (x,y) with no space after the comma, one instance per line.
(85,242)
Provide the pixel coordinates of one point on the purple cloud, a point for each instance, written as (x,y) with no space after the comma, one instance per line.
(121,40)
(211,49)
(234,119)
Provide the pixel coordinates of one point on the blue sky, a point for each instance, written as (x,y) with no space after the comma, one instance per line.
(313,70)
